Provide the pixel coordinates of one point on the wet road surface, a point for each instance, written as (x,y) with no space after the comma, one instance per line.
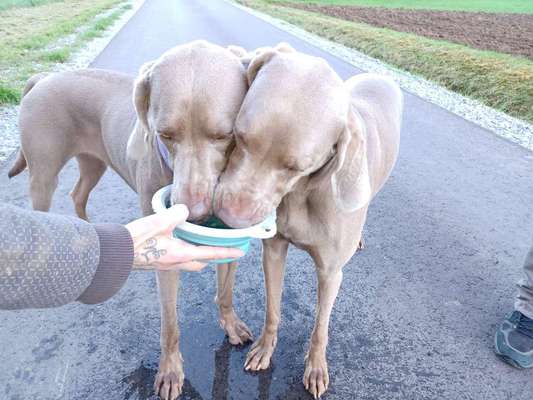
(417,309)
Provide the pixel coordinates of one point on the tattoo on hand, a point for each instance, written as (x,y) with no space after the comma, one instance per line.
(149,253)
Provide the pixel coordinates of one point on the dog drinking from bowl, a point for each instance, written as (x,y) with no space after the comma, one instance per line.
(186,101)
(317,150)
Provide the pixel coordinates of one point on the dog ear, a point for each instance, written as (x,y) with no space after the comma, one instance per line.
(258,62)
(141,94)
(285,47)
(351,180)
(140,135)
(242,54)
(347,169)
(263,55)
(238,51)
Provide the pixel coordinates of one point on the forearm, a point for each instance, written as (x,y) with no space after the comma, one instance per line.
(49,260)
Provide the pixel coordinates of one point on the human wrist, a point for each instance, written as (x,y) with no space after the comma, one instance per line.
(116,260)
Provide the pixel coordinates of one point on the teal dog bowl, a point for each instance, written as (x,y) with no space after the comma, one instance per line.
(214,232)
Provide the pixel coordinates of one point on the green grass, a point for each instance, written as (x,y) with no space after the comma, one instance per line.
(101,25)
(57,56)
(500,81)
(497,6)
(28,38)
(5,4)
(9,95)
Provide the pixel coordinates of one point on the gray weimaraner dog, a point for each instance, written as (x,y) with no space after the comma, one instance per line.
(317,149)
(189,97)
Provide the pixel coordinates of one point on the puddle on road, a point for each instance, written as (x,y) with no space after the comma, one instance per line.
(229,380)
(140,385)
(138,382)
(214,369)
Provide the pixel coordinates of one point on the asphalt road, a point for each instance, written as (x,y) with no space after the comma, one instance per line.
(418,307)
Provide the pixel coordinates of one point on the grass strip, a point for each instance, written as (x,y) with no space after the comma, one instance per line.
(37,38)
(491,6)
(497,80)
(6,4)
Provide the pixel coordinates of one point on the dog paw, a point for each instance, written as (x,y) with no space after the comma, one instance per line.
(169,379)
(236,330)
(260,353)
(316,378)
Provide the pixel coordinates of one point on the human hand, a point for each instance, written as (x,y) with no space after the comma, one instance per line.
(155,248)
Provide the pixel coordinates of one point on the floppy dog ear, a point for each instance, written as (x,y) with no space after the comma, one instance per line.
(351,181)
(139,137)
(263,55)
(285,47)
(257,63)
(242,54)
(347,169)
(238,51)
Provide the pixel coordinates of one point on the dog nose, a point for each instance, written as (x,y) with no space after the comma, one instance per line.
(198,202)
(198,211)
(231,219)
(238,210)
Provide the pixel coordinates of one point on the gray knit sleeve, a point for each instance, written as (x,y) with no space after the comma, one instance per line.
(116,261)
(46,260)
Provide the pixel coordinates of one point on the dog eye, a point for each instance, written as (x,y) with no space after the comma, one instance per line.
(165,136)
(295,168)
(221,137)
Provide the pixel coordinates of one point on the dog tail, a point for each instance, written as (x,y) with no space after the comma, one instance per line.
(19,165)
(32,82)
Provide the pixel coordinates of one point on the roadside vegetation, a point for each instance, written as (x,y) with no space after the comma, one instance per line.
(499,6)
(36,35)
(5,4)
(500,81)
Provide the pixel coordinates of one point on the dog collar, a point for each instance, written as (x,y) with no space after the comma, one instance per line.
(163,152)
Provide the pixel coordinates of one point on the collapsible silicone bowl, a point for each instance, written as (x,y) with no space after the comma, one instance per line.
(216,234)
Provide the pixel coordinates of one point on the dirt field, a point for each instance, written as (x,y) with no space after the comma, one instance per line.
(506,33)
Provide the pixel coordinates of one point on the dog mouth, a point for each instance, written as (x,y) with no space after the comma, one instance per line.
(238,222)
(203,220)
(198,212)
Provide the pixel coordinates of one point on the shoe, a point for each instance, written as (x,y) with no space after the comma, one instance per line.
(514,340)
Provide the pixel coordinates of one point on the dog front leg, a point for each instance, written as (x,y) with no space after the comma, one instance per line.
(237,331)
(169,379)
(316,378)
(274,254)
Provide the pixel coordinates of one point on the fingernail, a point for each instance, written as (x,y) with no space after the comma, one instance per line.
(179,209)
(179,206)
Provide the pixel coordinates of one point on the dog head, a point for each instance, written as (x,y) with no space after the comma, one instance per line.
(188,100)
(295,127)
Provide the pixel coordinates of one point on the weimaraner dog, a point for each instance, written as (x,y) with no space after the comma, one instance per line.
(317,149)
(189,97)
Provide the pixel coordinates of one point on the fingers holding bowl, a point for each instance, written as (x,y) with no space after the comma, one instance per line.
(181,251)
(208,253)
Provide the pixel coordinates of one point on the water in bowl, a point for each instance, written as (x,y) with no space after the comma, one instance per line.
(211,222)
(214,222)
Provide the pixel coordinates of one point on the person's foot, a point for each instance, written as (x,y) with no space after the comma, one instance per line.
(514,340)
